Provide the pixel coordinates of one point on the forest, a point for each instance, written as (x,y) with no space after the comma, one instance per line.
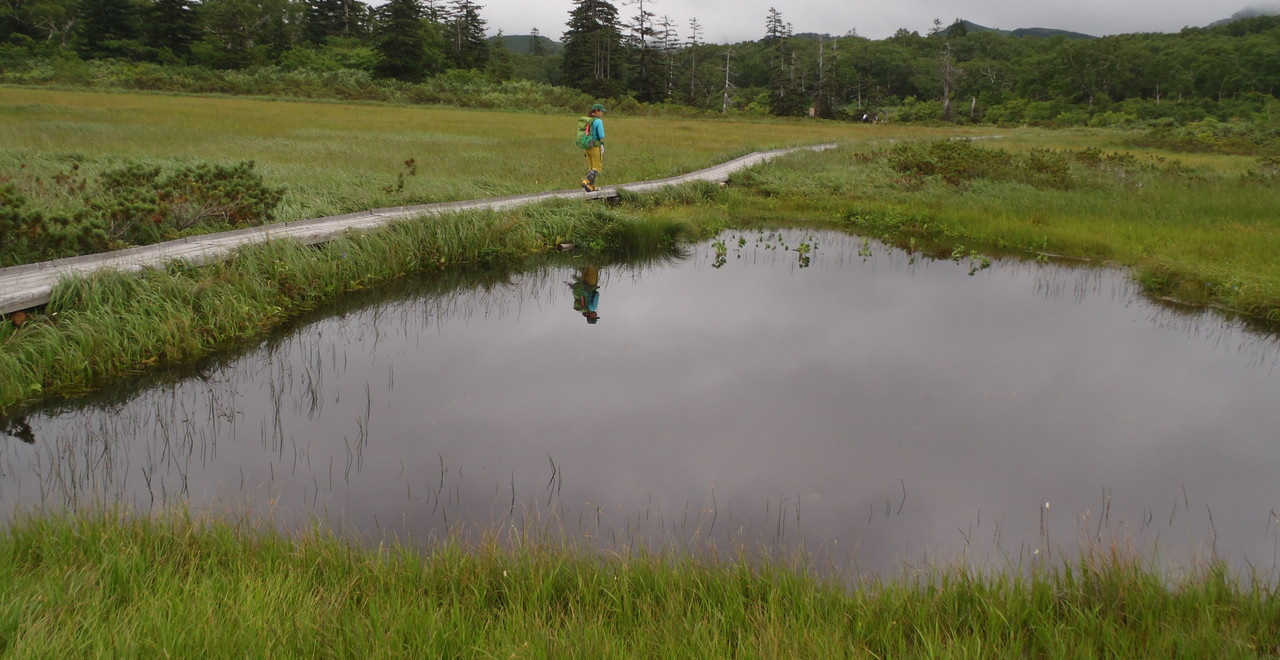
(957,72)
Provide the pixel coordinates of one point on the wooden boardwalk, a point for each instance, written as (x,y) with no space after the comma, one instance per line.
(24,287)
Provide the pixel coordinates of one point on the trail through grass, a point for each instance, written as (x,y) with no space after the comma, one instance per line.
(338,158)
(1204,231)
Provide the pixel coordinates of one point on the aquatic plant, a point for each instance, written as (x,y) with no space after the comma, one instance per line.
(721,252)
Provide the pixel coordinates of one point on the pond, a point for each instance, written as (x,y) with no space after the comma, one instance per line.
(779,389)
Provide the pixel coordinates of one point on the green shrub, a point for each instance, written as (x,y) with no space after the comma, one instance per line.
(19,226)
(958,162)
(1257,138)
(27,235)
(130,205)
(913,110)
(332,72)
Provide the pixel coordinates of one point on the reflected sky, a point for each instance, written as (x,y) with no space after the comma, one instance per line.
(881,408)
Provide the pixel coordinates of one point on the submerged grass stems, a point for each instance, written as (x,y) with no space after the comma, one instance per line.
(108,583)
(111,324)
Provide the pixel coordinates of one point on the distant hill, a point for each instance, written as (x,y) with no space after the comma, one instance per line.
(1249,12)
(523,43)
(974,27)
(1027,32)
(1050,32)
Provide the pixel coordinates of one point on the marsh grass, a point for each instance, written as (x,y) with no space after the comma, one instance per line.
(1202,231)
(112,324)
(114,584)
(336,158)
(1201,235)
(106,583)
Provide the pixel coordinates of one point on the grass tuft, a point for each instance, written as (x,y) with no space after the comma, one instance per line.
(113,324)
(108,583)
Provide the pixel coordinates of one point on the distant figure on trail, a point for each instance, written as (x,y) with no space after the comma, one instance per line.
(586,293)
(594,146)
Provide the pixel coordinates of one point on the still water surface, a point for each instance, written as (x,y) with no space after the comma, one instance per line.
(882,410)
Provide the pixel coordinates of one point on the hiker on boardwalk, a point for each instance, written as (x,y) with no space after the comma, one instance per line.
(595,148)
(586,293)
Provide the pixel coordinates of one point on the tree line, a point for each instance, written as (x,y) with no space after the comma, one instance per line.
(954,72)
(403,39)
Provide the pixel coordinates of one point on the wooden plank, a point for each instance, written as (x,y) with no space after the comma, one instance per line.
(30,285)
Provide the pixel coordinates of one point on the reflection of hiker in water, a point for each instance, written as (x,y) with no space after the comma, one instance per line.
(586,293)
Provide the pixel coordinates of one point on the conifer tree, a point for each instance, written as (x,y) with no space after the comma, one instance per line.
(695,40)
(240,33)
(172,25)
(785,79)
(401,41)
(499,66)
(646,71)
(109,28)
(669,41)
(774,29)
(593,49)
(469,49)
(335,18)
(536,48)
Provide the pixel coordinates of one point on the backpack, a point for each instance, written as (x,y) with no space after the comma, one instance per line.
(584,139)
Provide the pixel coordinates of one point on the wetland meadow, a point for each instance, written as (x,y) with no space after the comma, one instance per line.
(937,392)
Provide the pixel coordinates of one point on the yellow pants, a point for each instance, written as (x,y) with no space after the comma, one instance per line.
(595,158)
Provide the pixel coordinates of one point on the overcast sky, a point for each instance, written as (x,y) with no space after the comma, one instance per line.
(727,21)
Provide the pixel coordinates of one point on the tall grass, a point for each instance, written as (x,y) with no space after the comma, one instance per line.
(459,88)
(1203,235)
(112,324)
(111,584)
(1204,231)
(337,158)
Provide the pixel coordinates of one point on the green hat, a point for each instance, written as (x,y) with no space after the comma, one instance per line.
(598,107)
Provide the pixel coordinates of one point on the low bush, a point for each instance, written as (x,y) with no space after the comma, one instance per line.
(1209,135)
(958,162)
(466,89)
(127,206)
